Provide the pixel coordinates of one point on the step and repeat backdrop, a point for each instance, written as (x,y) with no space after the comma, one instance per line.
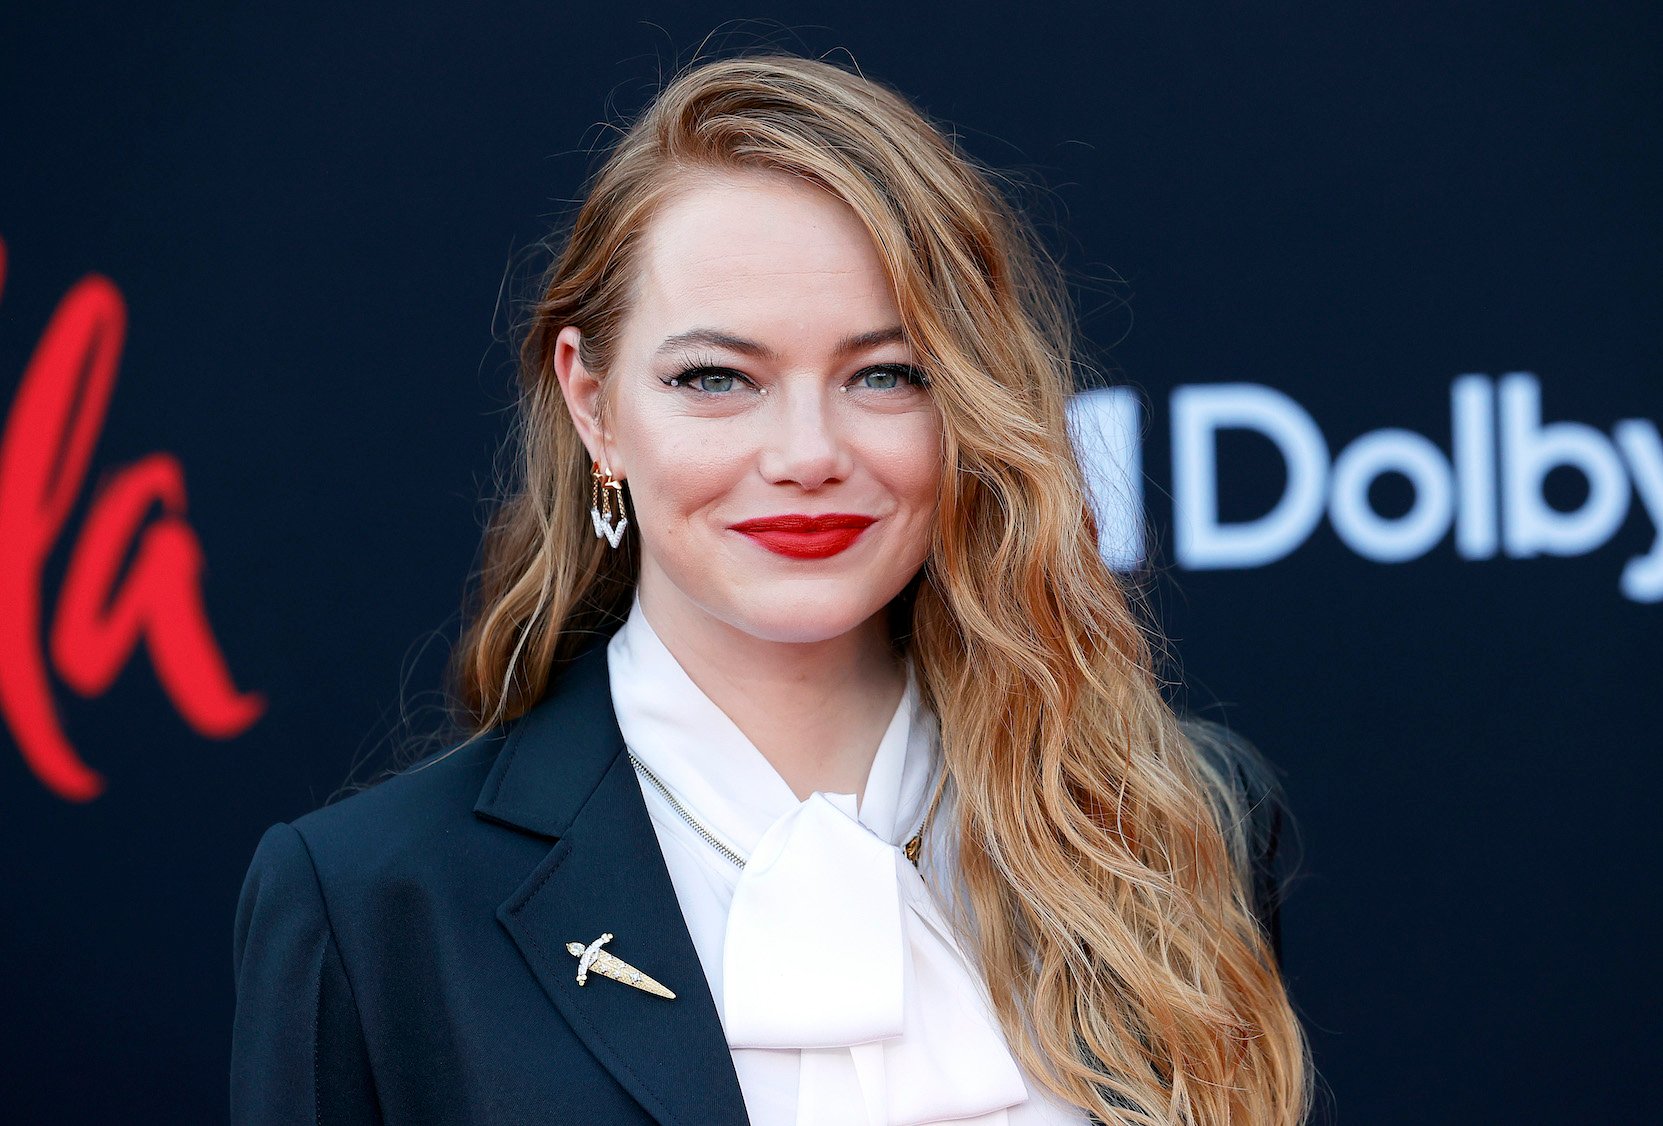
(1372,292)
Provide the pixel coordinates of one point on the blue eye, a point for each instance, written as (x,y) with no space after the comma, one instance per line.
(714,381)
(705,380)
(891,376)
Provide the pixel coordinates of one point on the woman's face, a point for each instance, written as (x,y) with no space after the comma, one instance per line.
(761,374)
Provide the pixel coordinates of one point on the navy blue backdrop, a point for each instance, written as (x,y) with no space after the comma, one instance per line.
(1375,289)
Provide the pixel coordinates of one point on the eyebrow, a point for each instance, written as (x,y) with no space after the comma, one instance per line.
(716,338)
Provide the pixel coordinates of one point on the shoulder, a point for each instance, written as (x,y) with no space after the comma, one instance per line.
(404,830)
(375,827)
(467,822)
(324,897)
(409,809)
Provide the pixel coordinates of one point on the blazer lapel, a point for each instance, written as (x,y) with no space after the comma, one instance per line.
(562,774)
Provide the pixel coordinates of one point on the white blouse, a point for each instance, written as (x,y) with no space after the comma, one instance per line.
(843,991)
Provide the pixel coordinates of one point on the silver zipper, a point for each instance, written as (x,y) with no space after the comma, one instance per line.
(728,853)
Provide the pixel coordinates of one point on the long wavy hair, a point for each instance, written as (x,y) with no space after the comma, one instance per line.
(1100,842)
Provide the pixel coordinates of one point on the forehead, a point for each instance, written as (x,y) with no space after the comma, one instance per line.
(759,250)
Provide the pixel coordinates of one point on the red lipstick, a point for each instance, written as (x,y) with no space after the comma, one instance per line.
(806,537)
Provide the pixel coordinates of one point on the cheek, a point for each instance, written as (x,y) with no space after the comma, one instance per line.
(675,473)
(910,462)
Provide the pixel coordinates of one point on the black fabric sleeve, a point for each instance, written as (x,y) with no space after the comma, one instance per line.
(298,1053)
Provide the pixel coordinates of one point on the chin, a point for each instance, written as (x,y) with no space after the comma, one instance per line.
(802,616)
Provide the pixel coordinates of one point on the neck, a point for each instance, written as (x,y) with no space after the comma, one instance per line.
(816,710)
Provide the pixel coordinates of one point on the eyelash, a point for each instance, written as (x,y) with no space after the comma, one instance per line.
(910,373)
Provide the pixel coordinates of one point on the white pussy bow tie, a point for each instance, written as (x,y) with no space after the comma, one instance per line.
(834,946)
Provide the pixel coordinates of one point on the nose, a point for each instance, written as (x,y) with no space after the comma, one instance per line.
(803,442)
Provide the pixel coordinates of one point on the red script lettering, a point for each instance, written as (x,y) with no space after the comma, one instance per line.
(101,615)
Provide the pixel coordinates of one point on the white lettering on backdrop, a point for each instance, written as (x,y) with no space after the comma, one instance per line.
(1488,489)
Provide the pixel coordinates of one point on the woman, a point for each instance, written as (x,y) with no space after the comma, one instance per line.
(820,774)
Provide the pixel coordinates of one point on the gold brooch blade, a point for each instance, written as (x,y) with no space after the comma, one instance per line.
(592,957)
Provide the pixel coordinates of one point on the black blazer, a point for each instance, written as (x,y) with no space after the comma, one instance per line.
(401,956)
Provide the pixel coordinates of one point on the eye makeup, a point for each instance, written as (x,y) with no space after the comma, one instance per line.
(689,375)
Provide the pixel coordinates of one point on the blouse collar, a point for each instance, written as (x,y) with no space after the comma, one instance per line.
(831,939)
(714,769)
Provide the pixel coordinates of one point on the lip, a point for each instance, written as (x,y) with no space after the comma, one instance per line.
(803,536)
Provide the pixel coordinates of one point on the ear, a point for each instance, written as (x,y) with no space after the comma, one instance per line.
(582,390)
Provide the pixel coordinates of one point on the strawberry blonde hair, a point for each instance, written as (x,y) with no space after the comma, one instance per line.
(1100,837)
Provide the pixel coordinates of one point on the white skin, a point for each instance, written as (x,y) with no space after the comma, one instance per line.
(794,651)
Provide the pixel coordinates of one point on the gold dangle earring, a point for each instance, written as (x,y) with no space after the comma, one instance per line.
(600,505)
